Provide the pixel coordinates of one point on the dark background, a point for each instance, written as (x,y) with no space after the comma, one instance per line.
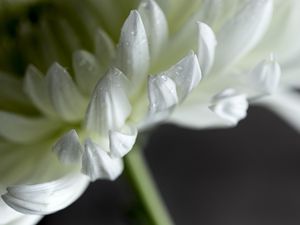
(249,175)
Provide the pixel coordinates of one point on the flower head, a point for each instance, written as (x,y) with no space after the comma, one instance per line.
(89,112)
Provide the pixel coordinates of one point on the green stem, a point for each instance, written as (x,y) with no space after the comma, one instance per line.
(142,181)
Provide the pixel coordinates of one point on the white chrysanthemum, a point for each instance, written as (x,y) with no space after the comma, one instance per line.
(89,114)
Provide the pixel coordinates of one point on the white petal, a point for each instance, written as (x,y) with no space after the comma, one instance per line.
(22,129)
(240,34)
(156,26)
(206,47)
(133,51)
(196,116)
(11,217)
(109,106)
(105,50)
(47,197)
(26,220)
(8,214)
(168,88)
(64,95)
(96,163)
(186,74)
(35,88)
(162,93)
(68,148)
(121,142)
(265,76)
(230,106)
(87,71)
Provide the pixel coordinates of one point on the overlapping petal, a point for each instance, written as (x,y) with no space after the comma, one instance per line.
(11,217)
(47,197)
(68,148)
(96,163)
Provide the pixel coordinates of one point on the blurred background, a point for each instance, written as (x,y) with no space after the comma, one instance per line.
(248,175)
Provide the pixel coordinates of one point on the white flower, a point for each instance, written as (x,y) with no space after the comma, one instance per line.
(89,114)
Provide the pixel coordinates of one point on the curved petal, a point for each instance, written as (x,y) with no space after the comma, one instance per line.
(230,106)
(64,95)
(96,163)
(171,87)
(68,148)
(265,76)
(30,164)
(26,220)
(87,71)
(109,106)
(162,93)
(225,111)
(240,34)
(104,49)
(47,197)
(22,129)
(206,47)
(11,217)
(122,142)
(197,117)
(186,74)
(35,87)
(156,26)
(133,50)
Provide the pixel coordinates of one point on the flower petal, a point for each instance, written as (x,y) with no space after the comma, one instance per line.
(47,197)
(22,129)
(240,34)
(186,74)
(133,50)
(26,220)
(11,217)
(105,50)
(162,93)
(109,106)
(156,26)
(35,88)
(230,106)
(121,142)
(68,148)
(64,95)
(206,47)
(227,108)
(168,88)
(87,71)
(96,163)
(265,76)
